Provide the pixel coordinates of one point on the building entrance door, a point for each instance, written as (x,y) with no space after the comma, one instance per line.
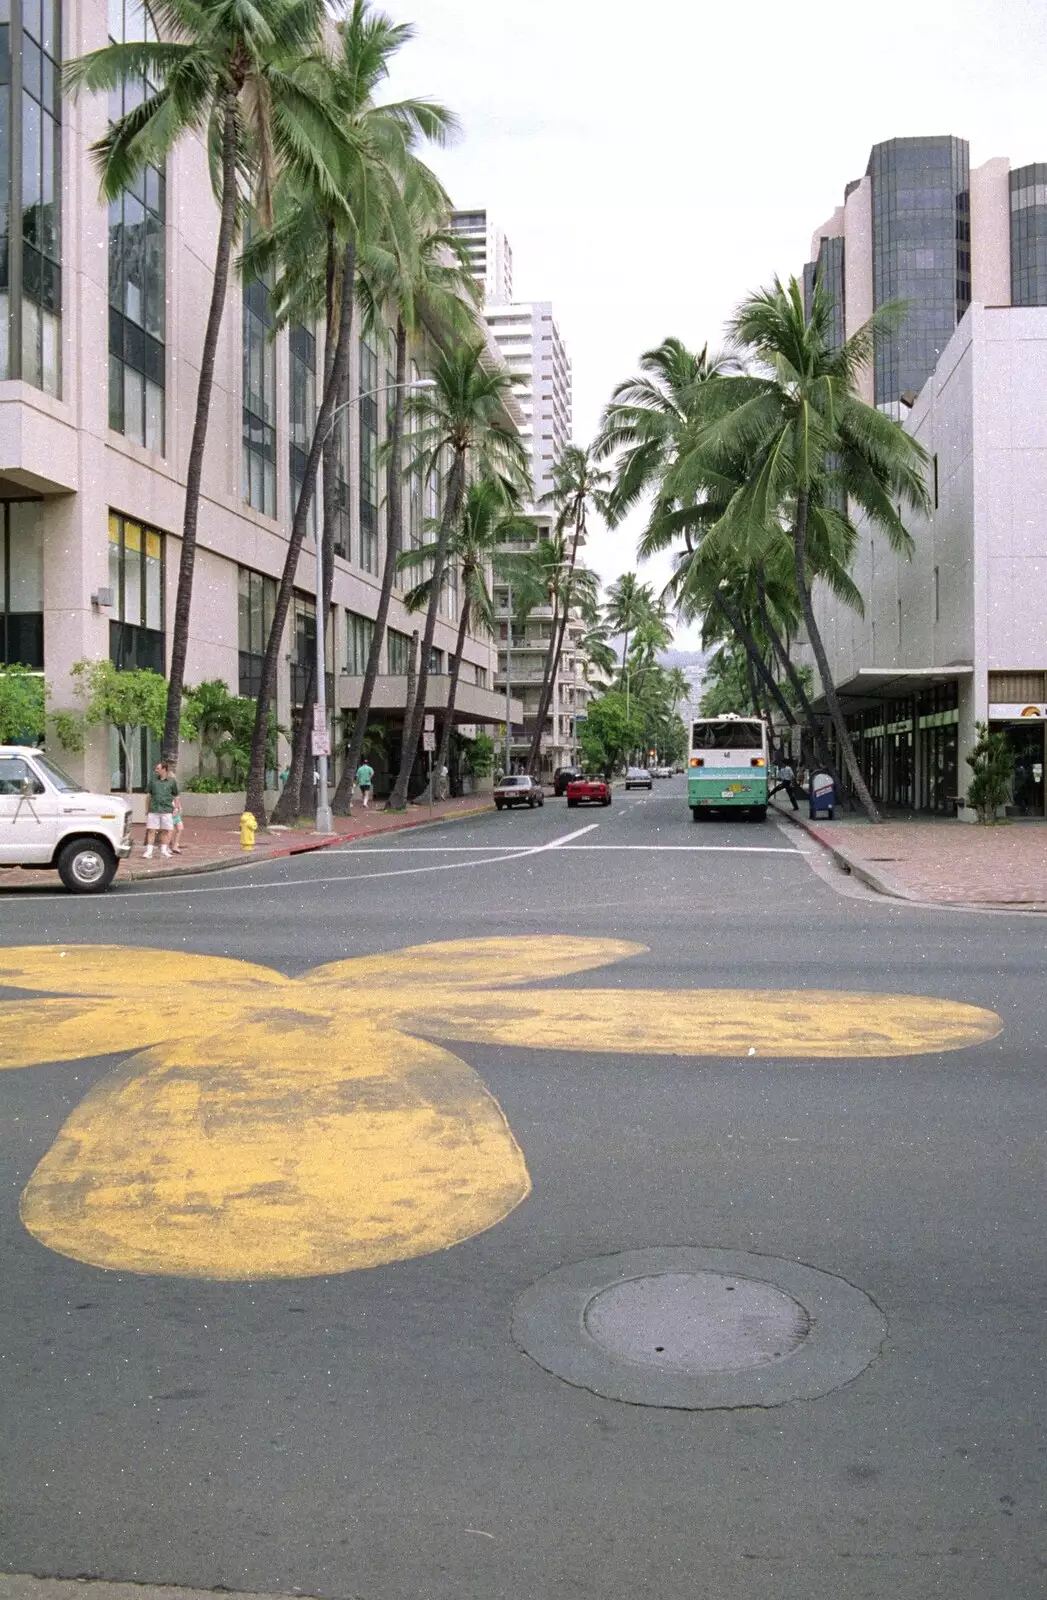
(1026,741)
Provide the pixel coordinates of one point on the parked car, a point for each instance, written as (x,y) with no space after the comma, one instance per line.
(518,791)
(588,791)
(562,777)
(48,821)
(638,778)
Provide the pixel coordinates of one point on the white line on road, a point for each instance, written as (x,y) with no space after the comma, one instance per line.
(562,842)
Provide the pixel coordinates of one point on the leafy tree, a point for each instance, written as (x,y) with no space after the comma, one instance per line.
(628,602)
(608,734)
(122,700)
(223,724)
(236,71)
(461,417)
(23,704)
(992,772)
(808,441)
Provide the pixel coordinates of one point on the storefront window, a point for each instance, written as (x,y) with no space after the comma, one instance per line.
(256,603)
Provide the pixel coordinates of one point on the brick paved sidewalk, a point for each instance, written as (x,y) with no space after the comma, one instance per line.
(210,843)
(954,863)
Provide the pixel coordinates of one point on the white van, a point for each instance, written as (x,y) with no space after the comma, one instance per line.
(49,821)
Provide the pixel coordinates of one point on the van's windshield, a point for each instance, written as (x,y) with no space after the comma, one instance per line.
(61,780)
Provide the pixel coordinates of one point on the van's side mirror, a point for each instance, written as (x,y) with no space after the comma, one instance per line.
(30,787)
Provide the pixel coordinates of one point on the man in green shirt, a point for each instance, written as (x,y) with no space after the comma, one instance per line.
(162,788)
(365,778)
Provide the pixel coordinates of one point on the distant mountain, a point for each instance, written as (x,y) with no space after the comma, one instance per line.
(683,658)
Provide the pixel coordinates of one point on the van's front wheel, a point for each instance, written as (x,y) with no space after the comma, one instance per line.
(86,866)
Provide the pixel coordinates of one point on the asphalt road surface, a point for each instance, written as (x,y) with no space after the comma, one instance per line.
(262,1242)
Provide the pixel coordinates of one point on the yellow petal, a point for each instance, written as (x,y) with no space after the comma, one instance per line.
(475,963)
(706,1022)
(122,970)
(35,1031)
(254,1154)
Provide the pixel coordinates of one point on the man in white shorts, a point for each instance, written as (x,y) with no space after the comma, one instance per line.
(162,791)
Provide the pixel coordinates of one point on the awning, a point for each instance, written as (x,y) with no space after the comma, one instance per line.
(870,686)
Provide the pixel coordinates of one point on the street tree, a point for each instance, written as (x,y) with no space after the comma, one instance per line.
(810,445)
(427,276)
(489,518)
(463,420)
(234,72)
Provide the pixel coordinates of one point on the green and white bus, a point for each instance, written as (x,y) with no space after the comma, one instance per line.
(728,766)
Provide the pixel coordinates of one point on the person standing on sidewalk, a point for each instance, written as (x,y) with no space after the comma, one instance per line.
(179,825)
(365,778)
(162,790)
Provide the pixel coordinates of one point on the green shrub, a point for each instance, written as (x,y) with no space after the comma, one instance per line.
(992,767)
(205,784)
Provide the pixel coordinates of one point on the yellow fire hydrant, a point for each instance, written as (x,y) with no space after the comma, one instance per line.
(248,829)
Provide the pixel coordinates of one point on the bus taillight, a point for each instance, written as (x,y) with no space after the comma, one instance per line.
(697,761)
(757,761)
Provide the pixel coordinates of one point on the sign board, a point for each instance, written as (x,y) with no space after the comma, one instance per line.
(430,722)
(321,743)
(429,741)
(1019,712)
(319,720)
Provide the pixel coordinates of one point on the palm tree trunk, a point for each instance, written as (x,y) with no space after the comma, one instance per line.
(546,692)
(741,631)
(332,388)
(415,712)
(549,687)
(796,683)
(817,645)
(393,541)
(195,465)
(293,800)
(452,695)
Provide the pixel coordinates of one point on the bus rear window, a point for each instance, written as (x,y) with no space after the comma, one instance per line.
(727,736)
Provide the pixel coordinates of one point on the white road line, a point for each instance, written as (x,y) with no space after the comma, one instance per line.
(562,842)
(730,849)
(352,877)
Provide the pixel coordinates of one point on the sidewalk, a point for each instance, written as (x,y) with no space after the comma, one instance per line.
(951,863)
(210,843)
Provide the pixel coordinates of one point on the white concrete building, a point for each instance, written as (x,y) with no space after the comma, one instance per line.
(527,337)
(958,634)
(100,335)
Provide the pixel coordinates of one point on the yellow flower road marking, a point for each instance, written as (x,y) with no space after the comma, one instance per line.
(275,1127)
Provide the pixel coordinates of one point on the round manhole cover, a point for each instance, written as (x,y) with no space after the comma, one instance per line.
(696,1322)
(698,1329)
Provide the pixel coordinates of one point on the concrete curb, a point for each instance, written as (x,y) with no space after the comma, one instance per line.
(882,882)
(886,884)
(247,858)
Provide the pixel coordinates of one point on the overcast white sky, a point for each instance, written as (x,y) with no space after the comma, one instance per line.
(652,163)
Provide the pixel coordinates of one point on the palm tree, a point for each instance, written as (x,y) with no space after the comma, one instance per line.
(488,519)
(597,652)
(462,417)
(628,602)
(235,71)
(578,483)
(643,424)
(374,153)
(651,634)
(807,439)
(428,278)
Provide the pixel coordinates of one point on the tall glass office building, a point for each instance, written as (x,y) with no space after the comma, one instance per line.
(921,217)
(1029,235)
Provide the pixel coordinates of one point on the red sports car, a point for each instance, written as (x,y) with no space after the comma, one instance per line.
(588,791)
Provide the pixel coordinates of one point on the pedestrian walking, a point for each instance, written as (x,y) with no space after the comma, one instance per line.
(786,776)
(365,780)
(162,790)
(179,825)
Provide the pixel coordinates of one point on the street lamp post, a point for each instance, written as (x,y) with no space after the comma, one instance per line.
(324,814)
